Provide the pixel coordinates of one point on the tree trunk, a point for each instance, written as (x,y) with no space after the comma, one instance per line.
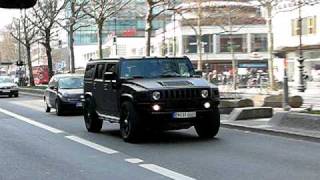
(199,34)
(148,30)
(31,79)
(49,57)
(100,28)
(71,49)
(270,46)
(71,39)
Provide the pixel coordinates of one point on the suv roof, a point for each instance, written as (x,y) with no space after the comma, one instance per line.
(117,59)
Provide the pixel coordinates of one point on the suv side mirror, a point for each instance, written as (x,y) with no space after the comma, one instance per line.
(17,4)
(109,76)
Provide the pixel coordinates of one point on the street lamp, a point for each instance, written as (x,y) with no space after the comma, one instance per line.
(301,86)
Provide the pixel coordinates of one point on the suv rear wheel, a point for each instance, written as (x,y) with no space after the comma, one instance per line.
(91,118)
(130,126)
(208,127)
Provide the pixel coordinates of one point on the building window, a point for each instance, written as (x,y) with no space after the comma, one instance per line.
(190,43)
(259,42)
(308,26)
(239,42)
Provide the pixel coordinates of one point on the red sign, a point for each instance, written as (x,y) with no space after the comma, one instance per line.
(40,74)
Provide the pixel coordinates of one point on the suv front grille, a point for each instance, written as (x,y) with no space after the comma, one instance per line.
(181,94)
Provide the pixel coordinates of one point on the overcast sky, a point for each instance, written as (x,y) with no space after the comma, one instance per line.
(6,16)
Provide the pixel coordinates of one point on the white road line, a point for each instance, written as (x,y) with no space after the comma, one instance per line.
(151,167)
(165,172)
(92,145)
(134,160)
(30,121)
(31,106)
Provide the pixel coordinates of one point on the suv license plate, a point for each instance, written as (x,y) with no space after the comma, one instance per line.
(5,91)
(179,115)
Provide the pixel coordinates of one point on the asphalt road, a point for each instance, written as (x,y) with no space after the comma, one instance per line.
(38,145)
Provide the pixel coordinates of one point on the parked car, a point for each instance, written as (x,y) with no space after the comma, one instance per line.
(63,93)
(149,93)
(8,87)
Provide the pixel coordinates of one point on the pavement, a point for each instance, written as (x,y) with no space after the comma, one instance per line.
(38,145)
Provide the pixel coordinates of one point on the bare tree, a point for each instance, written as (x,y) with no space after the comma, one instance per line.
(269,6)
(72,24)
(24,32)
(8,50)
(154,9)
(100,11)
(44,17)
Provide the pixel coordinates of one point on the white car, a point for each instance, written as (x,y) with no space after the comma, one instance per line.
(8,87)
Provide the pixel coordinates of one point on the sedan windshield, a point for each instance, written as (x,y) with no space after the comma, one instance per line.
(156,68)
(71,83)
(6,80)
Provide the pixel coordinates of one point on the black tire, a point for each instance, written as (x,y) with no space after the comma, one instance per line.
(10,95)
(91,118)
(130,123)
(46,107)
(16,95)
(58,107)
(208,127)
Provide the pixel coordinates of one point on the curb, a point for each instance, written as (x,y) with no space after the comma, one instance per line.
(274,132)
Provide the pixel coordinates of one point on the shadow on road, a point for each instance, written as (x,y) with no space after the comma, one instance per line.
(162,137)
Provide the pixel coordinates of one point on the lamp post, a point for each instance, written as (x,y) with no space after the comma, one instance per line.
(301,86)
(285,99)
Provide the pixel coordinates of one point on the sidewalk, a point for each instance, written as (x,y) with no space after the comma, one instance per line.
(262,126)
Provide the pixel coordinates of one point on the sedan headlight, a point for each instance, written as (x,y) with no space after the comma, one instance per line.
(204,93)
(156,95)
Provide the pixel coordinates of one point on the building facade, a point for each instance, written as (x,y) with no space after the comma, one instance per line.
(286,31)
(248,38)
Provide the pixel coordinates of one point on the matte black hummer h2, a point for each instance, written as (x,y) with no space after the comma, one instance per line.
(149,93)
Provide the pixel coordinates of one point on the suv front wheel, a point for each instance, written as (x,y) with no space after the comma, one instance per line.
(208,126)
(130,126)
(91,118)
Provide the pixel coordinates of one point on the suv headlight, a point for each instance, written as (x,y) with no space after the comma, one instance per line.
(204,93)
(156,95)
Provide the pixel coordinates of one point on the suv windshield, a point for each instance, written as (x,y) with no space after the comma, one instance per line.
(6,80)
(156,68)
(71,83)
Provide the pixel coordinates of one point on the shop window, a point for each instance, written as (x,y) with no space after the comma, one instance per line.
(237,41)
(308,25)
(259,42)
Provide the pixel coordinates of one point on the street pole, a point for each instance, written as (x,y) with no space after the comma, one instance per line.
(285,104)
(174,31)
(285,98)
(199,35)
(301,86)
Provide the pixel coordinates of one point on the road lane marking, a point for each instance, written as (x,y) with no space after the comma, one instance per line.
(151,167)
(30,121)
(165,172)
(134,160)
(92,145)
(28,105)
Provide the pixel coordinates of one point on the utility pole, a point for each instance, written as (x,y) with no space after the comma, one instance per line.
(301,86)
(174,30)
(199,35)
(270,44)
(231,45)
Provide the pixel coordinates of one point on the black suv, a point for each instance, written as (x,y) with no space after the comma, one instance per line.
(149,93)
